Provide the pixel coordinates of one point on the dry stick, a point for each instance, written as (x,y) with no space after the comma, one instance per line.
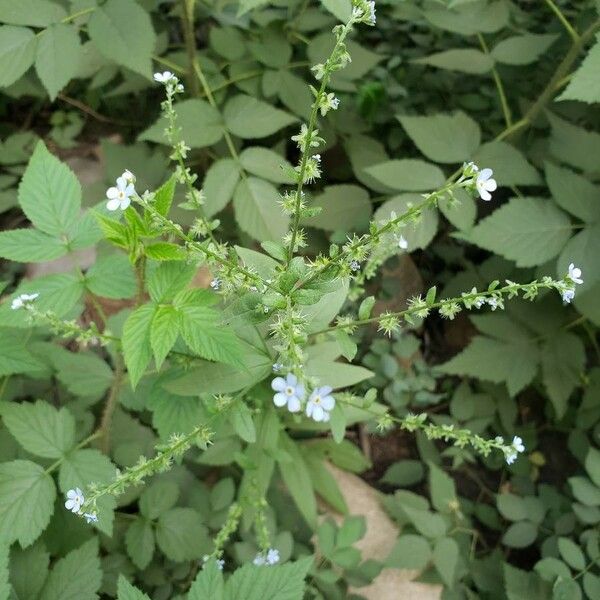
(189,35)
(110,406)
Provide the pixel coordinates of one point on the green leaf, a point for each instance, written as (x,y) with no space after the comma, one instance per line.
(324,483)
(164,196)
(137,349)
(164,331)
(27,497)
(125,591)
(83,374)
(530,231)
(512,362)
(279,582)
(50,194)
(243,425)
(5,588)
(409,175)
(352,529)
(40,428)
(444,138)
(338,8)
(467,18)
(15,357)
(257,210)
(584,85)
(464,60)
(404,473)
(168,279)
(250,118)
(521,584)
(122,31)
(201,125)
(37,13)
(442,490)
(219,184)
(17,52)
(520,534)
(574,145)
(112,277)
(296,477)
(511,507)
(445,559)
(28,570)
(571,553)
(582,249)
(181,536)
(58,57)
(337,374)
(523,49)
(30,245)
(208,583)
(574,193)
(164,251)
(345,208)
(158,498)
(509,165)
(201,331)
(139,541)
(592,465)
(585,491)
(430,524)
(77,576)
(409,552)
(566,589)
(267,164)
(563,363)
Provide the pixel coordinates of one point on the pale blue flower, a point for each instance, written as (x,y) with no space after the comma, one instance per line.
(75,500)
(320,403)
(289,392)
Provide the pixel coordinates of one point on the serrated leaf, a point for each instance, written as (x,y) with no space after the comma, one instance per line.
(77,576)
(573,192)
(444,138)
(37,13)
(168,279)
(201,125)
(250,118)
(30,245)
(257,210)
(164,331)
(514,363)
(345,208)
(27,497)
(208,583)
(112,277)
(125,591)
(523,49)
(137,349)
(279,582)
(17,52)
(28,570)
(529,231)
(243,425)
(464,60)
(40,428)
(57,58)
(219,184)
(574,145)
(164,196)
(509,165)
(122,31)
(15,357)
(181,536)
(139,541)
(584,85)
(409,175)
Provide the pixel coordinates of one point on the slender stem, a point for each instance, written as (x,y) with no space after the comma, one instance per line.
(140,273)
(81,13)
(499,85)
(508,289)
(81,444)
(189,34)
(570,30)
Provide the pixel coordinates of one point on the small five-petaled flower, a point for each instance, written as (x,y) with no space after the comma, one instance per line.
(320,403)
(270,558)
(120,196)
(517,447)
(75,500)
(289,392)
(485,184)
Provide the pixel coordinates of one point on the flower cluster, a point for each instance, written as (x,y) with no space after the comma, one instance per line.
(23,300)
(268,558)
(291,393)
(568,289)
(513,451)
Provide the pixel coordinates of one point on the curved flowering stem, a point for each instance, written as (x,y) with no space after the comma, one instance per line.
(450,307)
(363,12)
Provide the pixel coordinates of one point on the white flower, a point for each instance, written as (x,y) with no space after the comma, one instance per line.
(289,392)
(320,403)
(215,284)
(485,184)
(22,300)
(575,274)
(259,560)
(517,447)
(355,265)
(371,7)
(402,243)
(567,295)
(220,563)
(91,517)
(272,556)
(75,500)
(164,77)
(277,367)
(493,303)
(120,196)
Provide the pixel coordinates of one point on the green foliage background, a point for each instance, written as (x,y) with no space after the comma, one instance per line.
(513,86)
